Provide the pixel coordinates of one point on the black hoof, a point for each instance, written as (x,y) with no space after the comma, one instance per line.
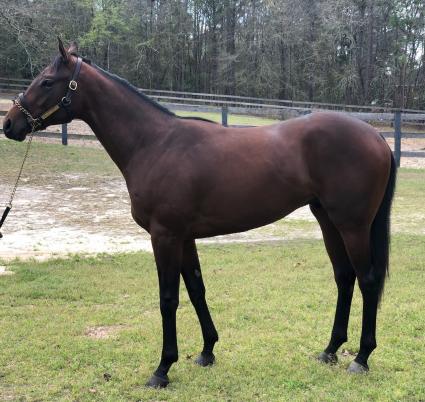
(357,368)
(158,382)
(328,358)
(205,359)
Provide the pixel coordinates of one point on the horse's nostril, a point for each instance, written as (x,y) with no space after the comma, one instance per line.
(7,125)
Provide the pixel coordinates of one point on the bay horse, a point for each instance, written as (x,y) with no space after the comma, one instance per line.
(188,179)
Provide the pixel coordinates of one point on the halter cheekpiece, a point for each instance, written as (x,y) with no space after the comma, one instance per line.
(64,103)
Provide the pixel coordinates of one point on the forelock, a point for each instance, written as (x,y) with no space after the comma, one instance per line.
(57,62)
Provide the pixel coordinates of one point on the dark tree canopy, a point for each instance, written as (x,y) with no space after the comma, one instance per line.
(341,51)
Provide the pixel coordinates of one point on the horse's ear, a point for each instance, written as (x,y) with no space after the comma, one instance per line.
(73,48)
(62,50)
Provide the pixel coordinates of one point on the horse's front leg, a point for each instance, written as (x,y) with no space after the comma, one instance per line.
(168,250)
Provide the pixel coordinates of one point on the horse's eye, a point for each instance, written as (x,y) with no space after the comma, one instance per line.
(47,83)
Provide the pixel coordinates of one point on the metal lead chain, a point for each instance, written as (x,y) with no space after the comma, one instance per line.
(12,194)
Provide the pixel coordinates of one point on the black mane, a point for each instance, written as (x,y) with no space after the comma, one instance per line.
(146,98)
(133,89)
(196,118)
(58,61)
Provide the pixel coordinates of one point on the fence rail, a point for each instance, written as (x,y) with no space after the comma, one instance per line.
(225,105)
(220,100)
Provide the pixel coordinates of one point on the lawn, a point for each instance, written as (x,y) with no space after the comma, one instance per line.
(273,305)
(47,159)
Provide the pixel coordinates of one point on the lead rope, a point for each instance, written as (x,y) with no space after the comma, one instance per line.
(12,194)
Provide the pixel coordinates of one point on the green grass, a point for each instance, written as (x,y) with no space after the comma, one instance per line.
(273,306)
(408,212)
(50,159)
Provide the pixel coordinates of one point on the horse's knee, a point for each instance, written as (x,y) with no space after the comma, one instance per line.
(168,305)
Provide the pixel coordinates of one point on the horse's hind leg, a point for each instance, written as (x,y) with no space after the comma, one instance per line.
(344,278)
(357,242)
(191,272)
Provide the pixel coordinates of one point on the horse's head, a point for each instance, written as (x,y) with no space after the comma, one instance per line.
(47,100)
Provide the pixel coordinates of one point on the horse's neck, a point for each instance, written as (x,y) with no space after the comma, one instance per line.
(123,122)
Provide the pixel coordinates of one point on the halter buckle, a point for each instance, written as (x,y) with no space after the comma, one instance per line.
(65,101)
(72,85)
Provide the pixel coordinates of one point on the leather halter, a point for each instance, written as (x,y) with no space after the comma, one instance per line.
(64,103)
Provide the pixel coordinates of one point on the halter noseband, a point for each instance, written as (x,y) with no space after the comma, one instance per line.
(64,103)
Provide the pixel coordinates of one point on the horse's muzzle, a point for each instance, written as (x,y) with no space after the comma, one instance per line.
(7,126)
(15,133)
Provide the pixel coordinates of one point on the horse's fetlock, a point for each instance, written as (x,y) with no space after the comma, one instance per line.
(341,339)
(212,338)
(368,344)
(170,357)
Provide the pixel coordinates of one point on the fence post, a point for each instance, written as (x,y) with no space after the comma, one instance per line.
(224,113)
(397,137)
(64,134)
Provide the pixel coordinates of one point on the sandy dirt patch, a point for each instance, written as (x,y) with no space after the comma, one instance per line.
(5,271)
(103,332)
(79,214)
(71,215)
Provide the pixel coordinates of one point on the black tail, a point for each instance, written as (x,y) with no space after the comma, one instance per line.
(380,232)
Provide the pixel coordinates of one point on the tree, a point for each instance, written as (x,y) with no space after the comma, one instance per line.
(349,51)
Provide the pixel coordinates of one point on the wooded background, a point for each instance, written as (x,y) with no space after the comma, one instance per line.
(341,51)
